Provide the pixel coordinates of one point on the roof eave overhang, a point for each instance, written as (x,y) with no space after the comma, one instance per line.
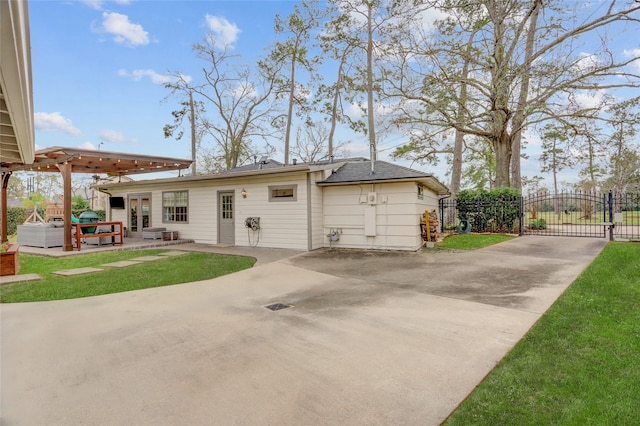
(17,134)
(216,176)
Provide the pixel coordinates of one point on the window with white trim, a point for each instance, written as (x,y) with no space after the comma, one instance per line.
(283,193)
(175,206)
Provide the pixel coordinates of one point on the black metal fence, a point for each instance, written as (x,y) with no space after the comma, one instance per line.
(570,214)
(576,214)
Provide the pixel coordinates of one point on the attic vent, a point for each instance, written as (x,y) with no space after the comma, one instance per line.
(277,306)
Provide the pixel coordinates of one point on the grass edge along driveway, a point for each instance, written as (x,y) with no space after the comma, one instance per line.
(191,266)
(579,363)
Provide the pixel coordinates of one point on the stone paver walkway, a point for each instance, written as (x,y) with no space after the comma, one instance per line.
(121,263)
(77,271)
(172,253)
(147,258)
(12,279)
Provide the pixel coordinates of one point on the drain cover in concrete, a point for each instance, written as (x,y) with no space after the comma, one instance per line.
(147,258)
(121,264)
(172,253)
(77,271)
(277,306)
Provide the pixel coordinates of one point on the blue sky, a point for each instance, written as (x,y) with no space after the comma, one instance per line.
(98,69)
(98,66)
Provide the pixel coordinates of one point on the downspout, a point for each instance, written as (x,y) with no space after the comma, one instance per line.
(109,194)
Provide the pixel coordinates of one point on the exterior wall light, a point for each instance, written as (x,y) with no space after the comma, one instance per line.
(244,193)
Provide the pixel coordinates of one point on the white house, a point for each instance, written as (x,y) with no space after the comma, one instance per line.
(340,203)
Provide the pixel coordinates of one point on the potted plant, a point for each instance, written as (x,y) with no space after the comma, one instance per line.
(9,264)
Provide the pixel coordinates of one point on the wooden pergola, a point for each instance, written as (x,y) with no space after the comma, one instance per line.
(74,160)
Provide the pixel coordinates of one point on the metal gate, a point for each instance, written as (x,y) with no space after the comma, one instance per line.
(569,214)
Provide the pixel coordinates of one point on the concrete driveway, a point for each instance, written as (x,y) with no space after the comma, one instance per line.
(371,338)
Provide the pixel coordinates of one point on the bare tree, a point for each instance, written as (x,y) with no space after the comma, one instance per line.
(312,143)
(527,67)
(294,52)
(235,105)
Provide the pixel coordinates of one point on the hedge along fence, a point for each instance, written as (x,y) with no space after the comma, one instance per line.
(497,210)
(18,215)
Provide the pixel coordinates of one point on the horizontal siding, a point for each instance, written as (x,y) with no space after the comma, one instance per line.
(398,214)
(284,224)
(317,228)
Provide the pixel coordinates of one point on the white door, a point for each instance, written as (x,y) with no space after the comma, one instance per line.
(226,222)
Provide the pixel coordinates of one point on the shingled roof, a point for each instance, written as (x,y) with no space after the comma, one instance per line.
(261,165)
(360,172)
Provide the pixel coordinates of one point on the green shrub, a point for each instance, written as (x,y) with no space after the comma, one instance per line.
(538,224)
(17,215)
(496,210)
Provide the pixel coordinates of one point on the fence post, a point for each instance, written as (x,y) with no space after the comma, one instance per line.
(611,215)
(521,215)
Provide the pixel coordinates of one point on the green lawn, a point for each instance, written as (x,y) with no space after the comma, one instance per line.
(580,364)
(173,270)
(629,217)
(472,241)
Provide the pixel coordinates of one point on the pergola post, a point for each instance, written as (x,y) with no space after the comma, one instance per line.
(3,206)
(65,169)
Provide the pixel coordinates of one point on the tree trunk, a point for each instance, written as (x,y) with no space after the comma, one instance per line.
(336,99)
(292,87)
(519,117)
(502,149)
(456,169)
(370,116)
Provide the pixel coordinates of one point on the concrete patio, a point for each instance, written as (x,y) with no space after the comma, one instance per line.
(370,338)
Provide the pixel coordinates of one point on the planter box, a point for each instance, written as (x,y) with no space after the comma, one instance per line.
(169,235)
(9,261)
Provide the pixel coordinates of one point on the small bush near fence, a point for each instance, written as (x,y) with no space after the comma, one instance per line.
(489,211)
(538,224)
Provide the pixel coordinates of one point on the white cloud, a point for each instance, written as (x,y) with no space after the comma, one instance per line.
(587,62)
(87,145)
(124,31)
(109,135)
(97,4)
(156,78)
(633,53)
(224,32)
(54,122)
(590,99)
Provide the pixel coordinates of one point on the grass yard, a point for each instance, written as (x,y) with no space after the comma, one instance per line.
(579,364)
(577,217)
(173,270)
(472,241)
